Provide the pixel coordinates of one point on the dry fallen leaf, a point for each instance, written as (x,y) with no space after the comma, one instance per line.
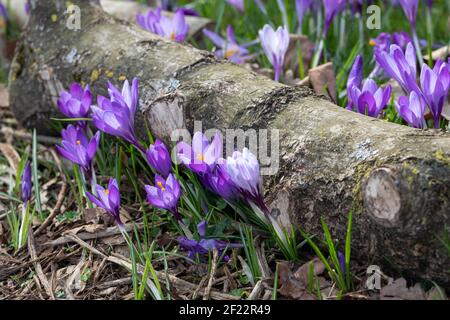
(323,80)
(398,290)
(302,274)
(11,155)
(290,286)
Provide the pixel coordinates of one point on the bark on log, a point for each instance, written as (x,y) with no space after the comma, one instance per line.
(395,179)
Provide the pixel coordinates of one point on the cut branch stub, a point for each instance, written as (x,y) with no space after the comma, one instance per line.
(382,197)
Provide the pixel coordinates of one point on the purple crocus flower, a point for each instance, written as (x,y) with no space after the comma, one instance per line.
(401,39)
(165,194)
(219,181)
(25,186)
(115,116)
(435,85)
(383,42)
(108,199)
(243,170)
(203,246)
(370,100)
(238,4)
(341,259)
(77,148)
(400,66)
(175,28)
(4,12)
(331,8)
(150,20)
(412,109)
(76,102)
(410,9)
(302,7)
(159,158)
(201,156)
(275,45)
(229,48)
(355,77)
(27,7)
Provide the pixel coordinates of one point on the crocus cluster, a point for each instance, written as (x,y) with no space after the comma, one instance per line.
(275,45)
(232,178)
(229,48)
(432,89)
(366,99)
(203,246)
(174,28)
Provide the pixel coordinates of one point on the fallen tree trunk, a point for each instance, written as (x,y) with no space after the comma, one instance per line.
(395,179)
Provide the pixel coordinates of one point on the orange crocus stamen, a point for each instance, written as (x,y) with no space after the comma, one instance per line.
(160,185)
(78,142)
(229,53)
(106,191)
(200,157)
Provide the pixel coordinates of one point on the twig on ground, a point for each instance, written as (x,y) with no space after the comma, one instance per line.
(37,266)
(27,136)
(114,283)
(178,283)
(111,231)
(212,273)
(55,210)
(256,291)
(199,287)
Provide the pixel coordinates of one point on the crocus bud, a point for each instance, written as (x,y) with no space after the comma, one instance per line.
(275,45)
(158,157)
(26,183)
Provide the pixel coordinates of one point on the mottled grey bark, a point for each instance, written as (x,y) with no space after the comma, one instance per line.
(395,179)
